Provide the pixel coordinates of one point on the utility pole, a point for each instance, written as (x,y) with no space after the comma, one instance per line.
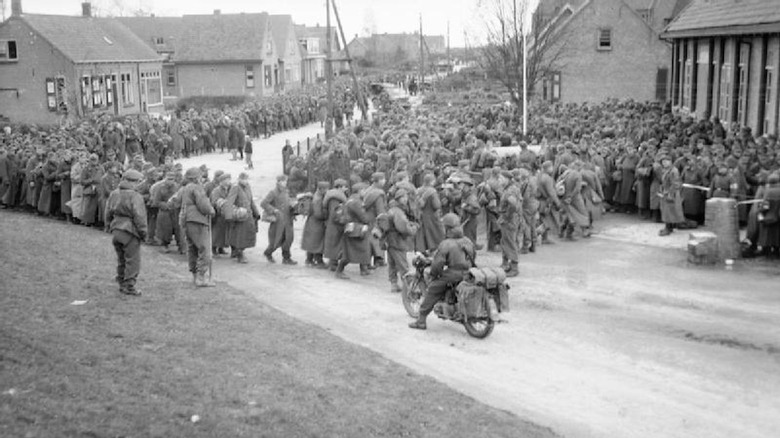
(329,73)
(525,85)
(361,103)
(422,56)
(449,60)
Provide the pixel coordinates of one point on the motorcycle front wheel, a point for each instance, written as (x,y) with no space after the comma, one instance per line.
(479,328)
(412,295)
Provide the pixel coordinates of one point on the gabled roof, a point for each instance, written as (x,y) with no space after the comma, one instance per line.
(280,29)
(170,29)
(223,38)
(726,17)
(90,39)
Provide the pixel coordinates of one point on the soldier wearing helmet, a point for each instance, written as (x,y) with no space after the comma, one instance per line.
(454,257)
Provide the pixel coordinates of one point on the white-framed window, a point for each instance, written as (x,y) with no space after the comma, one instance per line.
(56,94)
(127,89)
(687,84)
(267,78)
(98,91)
(86,92)
(724,110)
(153,85)
(604,39)
(250,76)
(269,47)
(313,45)
(8,51)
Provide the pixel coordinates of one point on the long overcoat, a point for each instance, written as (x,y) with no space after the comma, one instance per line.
(282,228)
(242,234)
(314,229)
(431,231)
(671,198)
(356,249)
(334,230)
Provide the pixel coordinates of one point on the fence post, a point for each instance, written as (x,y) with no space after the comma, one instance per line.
(298,147)
(308,144)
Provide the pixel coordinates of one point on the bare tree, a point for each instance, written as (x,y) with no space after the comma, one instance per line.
(502,55)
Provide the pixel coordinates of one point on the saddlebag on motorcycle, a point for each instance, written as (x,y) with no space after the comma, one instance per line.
(493,280)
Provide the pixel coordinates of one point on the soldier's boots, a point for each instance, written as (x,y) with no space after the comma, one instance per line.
(513,271)
(202,281)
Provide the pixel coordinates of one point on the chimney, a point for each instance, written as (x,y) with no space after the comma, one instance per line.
(86,9)
(16,8)
(217,11)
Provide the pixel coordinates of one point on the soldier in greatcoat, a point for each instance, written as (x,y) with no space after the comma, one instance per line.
(313,241)
(280,232)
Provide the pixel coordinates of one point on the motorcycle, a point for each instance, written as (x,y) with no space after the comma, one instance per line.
(474,302)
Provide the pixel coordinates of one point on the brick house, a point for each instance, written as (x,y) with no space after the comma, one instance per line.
(725,62)
(600,49)
(53,67)
(227,55)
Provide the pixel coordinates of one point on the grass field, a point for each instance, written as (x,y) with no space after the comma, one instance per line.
(119,366)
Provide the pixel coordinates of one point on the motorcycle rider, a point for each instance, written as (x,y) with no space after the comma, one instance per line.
(454,257)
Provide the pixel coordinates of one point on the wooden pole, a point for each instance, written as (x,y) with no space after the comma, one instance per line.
(422,57)
(361,103)
(329,74)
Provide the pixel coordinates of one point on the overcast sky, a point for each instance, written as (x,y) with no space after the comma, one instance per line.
(358,16)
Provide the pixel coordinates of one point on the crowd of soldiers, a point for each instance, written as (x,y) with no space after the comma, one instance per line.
(377,190)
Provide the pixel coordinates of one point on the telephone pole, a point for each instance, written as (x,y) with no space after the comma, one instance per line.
(422,56)
(329,73)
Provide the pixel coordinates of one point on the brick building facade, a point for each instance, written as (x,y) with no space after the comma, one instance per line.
(604,49)
(54,67)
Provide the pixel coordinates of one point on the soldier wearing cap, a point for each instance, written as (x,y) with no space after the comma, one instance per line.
(126,218)
(333,202)
(280,232)
(196,212)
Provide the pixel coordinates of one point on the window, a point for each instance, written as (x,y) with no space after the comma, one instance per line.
(742,72)
(551,87)
(127,89)
(267,76)
(704,54)
(250,76)
(269,47)
(109,80)
(86,92)
(313,45)
(98,91)
(687,84)
(646,14)
(56,95)
(8,50)
(724,112)
(605,39)
(152,83)
(287,75)
(159,41)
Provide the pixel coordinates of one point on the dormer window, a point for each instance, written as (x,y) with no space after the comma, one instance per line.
(159,41)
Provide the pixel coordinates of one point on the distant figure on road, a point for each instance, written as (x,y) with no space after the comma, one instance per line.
(126,218)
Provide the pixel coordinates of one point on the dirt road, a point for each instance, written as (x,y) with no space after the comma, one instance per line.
(605,338)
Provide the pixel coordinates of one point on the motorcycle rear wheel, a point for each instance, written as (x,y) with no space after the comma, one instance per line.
(479,328)
(412,295)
